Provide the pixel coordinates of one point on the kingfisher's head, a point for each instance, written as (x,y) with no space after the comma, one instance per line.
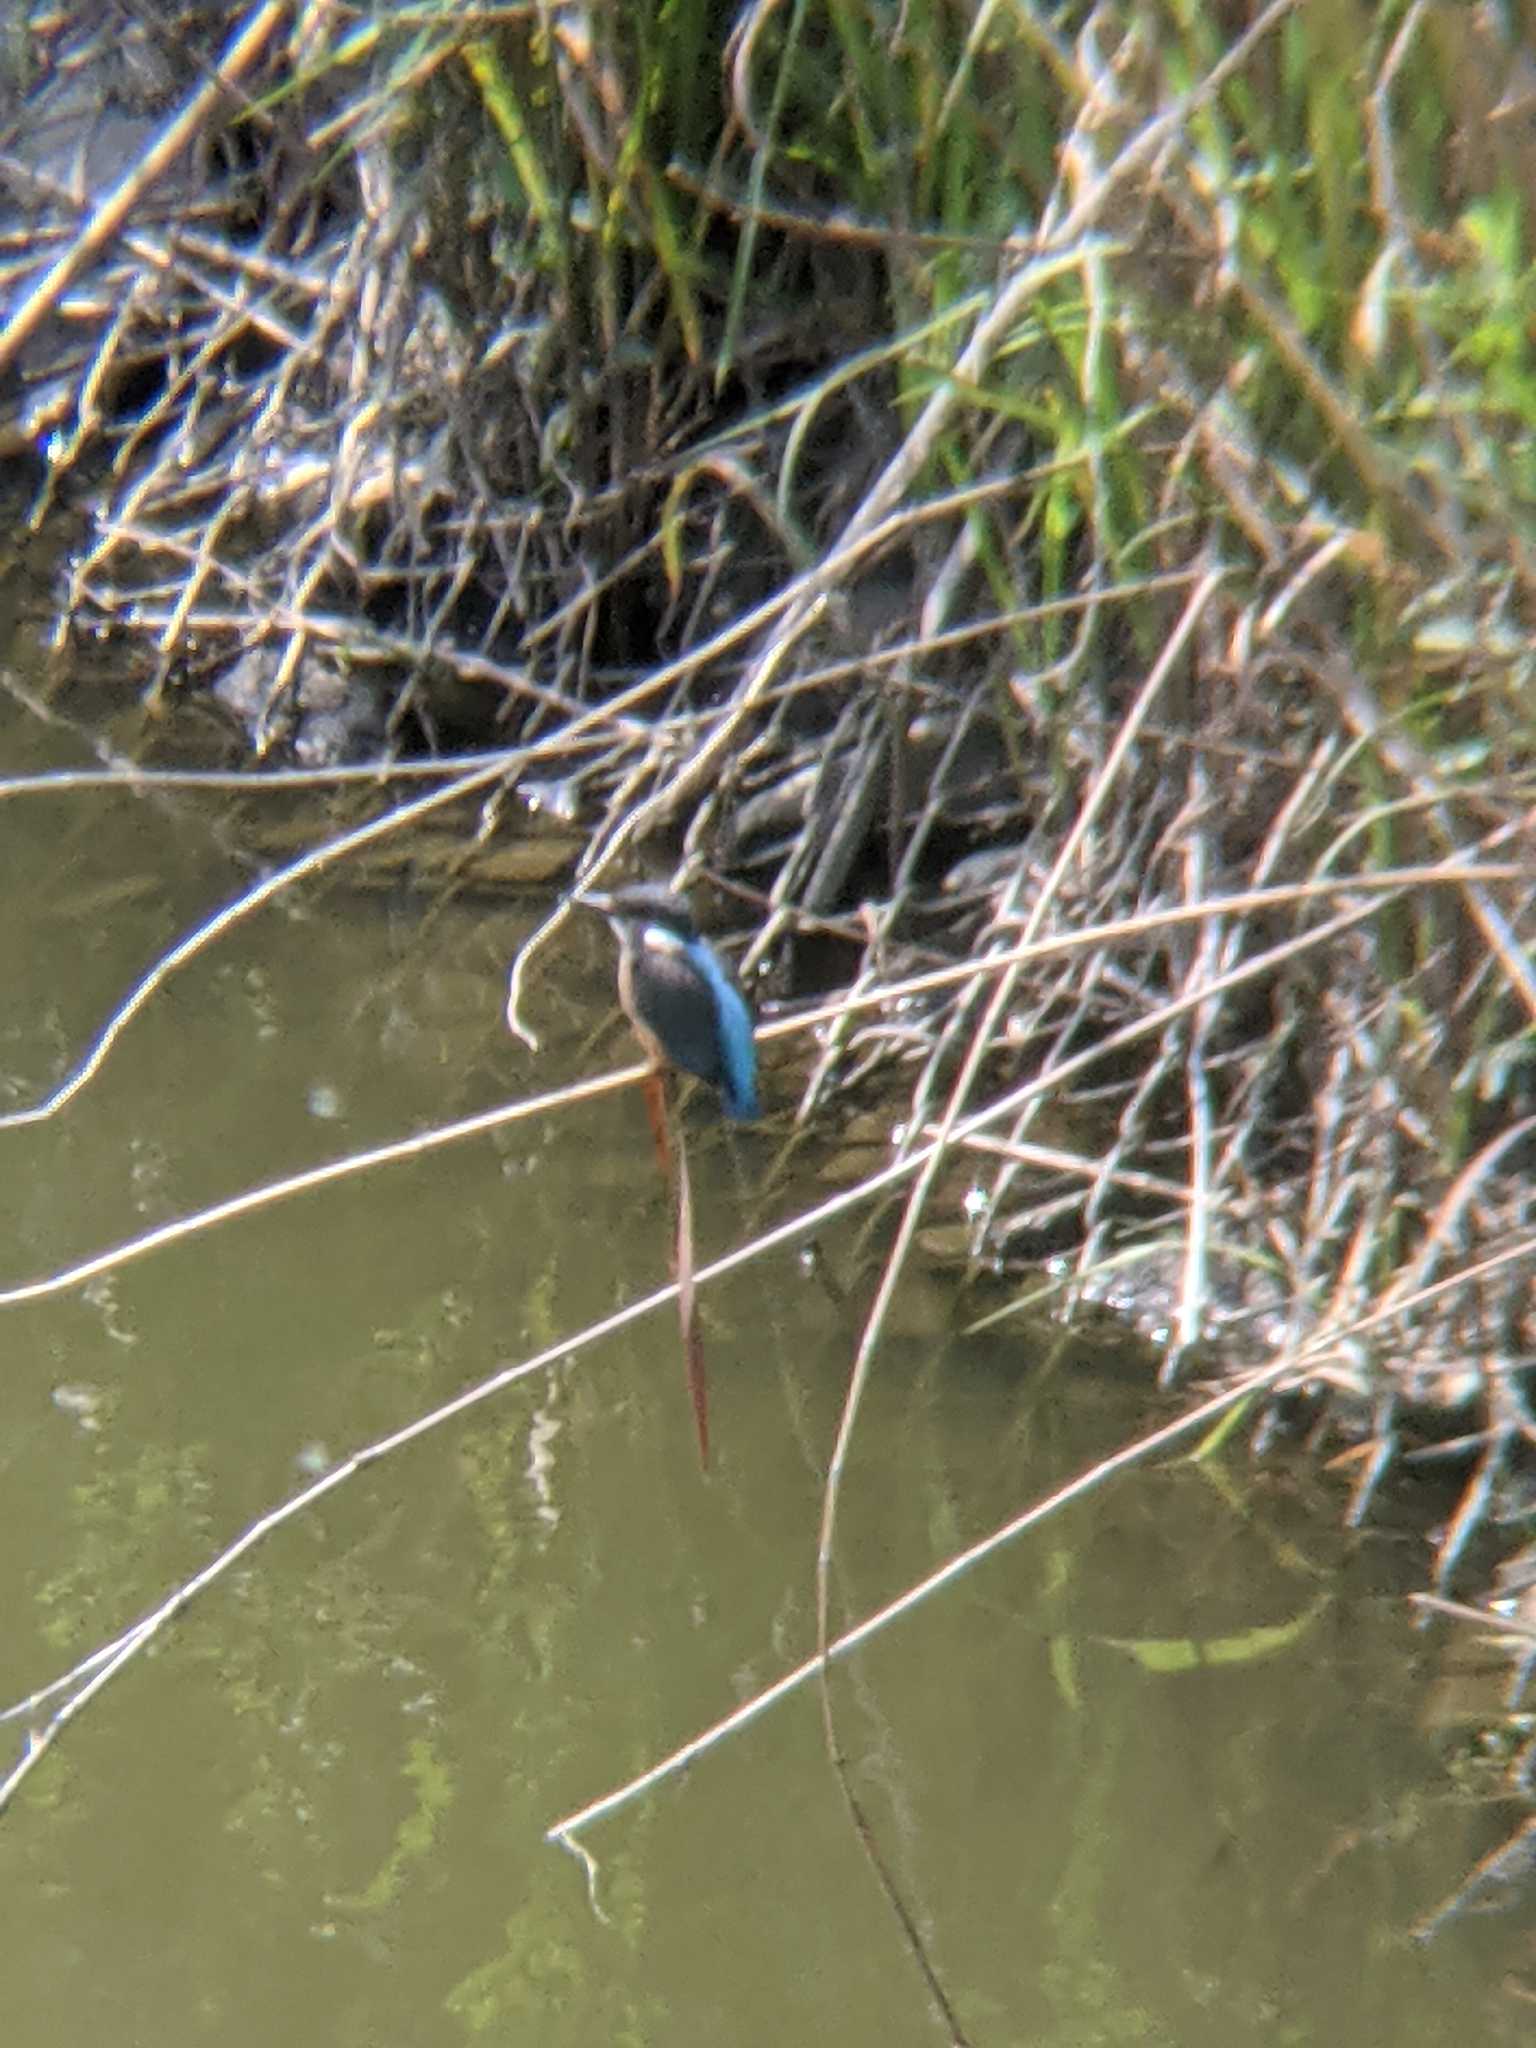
(640,905)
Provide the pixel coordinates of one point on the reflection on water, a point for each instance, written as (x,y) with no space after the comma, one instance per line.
(1151,1775)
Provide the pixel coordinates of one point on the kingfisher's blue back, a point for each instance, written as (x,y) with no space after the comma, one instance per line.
(737,1049)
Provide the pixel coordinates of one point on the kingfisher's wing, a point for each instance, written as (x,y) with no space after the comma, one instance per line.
(676,1004)
(736,1052)
(690,1003)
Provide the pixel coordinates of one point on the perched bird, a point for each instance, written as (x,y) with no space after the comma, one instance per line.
(684,1002)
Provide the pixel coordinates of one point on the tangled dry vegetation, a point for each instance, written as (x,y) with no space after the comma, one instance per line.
(1037,502)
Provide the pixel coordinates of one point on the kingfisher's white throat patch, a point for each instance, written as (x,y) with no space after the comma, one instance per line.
(659,940)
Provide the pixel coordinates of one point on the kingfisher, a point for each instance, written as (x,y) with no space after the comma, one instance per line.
(685,1004)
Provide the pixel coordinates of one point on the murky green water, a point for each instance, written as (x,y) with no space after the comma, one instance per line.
(317,1812)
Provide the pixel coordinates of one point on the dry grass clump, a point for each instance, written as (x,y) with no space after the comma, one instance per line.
(1046,493)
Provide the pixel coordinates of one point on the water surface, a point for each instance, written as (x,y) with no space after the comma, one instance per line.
(1156,1773)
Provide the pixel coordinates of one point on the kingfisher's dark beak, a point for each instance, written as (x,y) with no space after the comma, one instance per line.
(594,899)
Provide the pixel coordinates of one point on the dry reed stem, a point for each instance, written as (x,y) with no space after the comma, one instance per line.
(1306,1122)
(105,1663)
(246,47)
(832,1013)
